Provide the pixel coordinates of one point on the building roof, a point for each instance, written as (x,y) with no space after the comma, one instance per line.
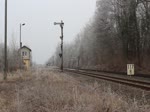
(26,48)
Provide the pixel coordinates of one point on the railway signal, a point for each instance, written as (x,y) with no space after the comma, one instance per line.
(61,37)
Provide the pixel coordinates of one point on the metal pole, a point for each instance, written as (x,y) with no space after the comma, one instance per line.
(53,60)
(21,44)
(20,37)
(20,48)
(5,46)
(61,25)
(78,62)
(61,55)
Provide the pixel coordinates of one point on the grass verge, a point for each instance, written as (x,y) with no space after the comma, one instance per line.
(52,91)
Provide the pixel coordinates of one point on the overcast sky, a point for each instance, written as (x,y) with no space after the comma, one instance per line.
(39,33)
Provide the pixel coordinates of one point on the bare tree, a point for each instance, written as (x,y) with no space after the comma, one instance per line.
(119,33)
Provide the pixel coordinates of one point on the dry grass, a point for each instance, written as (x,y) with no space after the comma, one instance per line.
(51,91)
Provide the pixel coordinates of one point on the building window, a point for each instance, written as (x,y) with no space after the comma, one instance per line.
(25,53)
(22,53)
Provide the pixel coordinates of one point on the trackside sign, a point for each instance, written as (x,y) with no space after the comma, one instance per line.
(130,69)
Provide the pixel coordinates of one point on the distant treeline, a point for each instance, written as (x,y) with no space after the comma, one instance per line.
(118,34)
(13,56)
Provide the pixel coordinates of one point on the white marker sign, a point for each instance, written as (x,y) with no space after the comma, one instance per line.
(130,69)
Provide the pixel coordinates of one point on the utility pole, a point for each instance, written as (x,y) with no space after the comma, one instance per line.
(61,37)
(5,45)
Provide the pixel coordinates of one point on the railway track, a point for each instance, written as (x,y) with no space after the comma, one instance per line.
(120,73)
(144,85)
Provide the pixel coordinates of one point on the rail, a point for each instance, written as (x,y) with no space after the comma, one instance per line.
(144,85)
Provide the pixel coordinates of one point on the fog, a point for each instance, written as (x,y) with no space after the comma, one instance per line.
(39,33)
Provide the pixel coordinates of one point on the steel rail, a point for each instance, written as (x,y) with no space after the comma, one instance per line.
(120,73)
(134,83)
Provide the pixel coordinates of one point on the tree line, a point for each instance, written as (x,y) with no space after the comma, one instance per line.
(13,55)
(118,34)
